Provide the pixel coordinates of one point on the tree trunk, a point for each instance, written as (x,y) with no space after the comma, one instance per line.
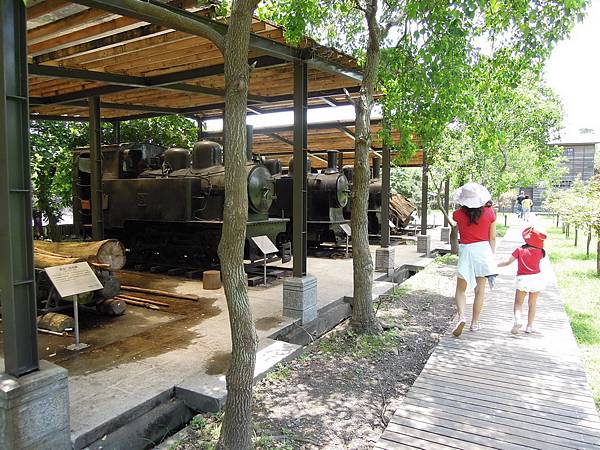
(454,239)
(363,315)
(108,251)
(576,236)
(236,432)
(588,243)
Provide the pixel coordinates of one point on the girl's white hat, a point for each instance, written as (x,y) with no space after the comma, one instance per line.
(472,195)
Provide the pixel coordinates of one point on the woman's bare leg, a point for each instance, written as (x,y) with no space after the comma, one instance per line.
(460,297)
(533,296)
(479,299)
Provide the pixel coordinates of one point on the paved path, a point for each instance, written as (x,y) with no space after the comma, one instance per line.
(491,389)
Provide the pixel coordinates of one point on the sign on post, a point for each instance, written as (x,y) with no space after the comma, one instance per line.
(266,247)
(73,279)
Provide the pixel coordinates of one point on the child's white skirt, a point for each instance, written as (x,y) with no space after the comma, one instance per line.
(531,283)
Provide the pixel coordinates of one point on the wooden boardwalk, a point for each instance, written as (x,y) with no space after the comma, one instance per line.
(490,389)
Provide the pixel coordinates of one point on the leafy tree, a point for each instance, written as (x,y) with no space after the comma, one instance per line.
(428,50)
(167,131)
(580,206)
(51,167)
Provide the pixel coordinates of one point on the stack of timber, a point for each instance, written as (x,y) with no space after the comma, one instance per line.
(401,210)
(109,253)
(127,295)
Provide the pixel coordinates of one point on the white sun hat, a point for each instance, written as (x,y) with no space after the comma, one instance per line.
(472,195)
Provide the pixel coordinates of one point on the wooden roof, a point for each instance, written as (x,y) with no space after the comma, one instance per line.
(277,142)
(140,69)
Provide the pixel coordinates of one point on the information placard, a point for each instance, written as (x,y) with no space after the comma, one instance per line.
(71,279)
(265,244)
(346,229)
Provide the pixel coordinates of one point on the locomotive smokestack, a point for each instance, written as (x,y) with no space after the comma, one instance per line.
(249,142)
(332,161)
(376,167)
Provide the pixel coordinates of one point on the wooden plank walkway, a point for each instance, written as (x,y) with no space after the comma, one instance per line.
(491,389)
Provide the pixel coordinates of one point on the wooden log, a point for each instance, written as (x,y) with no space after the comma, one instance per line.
(145,300)
(141,290)
(211,280)
(142,304)
(108,251)
(43,260)
(112,307)
(55,322)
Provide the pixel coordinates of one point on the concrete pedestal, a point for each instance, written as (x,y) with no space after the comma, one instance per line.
(424,244)
(385,259)
(300,298)
(34,410)
(445,234)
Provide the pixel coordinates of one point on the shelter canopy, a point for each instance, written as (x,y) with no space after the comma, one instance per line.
(84,48)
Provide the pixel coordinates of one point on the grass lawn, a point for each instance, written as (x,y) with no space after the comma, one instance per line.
(580,286)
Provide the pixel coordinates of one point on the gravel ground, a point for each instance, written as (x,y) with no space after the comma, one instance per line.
(342,391)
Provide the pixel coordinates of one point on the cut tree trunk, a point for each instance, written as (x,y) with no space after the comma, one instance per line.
(108,251)
(43,260)
(454,239)
(236,431)
(363,314)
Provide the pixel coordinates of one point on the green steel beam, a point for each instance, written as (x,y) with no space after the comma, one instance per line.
(96,166)
(385,198)
(17,285)
(299,196)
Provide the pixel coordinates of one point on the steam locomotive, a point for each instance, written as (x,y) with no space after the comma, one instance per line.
(327,192)
(166,205)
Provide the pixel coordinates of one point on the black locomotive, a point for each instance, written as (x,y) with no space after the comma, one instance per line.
(327,195)
(166,205)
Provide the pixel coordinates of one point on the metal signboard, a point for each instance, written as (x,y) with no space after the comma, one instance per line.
(71,279)
(265,245)
(346,229)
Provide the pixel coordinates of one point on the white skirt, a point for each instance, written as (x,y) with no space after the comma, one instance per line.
(531,283)
(475,260)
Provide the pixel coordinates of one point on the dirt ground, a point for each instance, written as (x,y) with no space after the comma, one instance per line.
(342,391)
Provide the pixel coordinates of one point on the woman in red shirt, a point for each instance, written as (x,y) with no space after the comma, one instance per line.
(476,221)
(529,276)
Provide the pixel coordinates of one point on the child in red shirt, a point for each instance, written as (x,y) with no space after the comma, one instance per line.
(529,277)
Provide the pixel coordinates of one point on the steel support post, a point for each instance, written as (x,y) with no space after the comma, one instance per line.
(424,195)
(385,198)
(96,168)
(200,125)
(117,132)
(17,286)
(299,218)
(446,200)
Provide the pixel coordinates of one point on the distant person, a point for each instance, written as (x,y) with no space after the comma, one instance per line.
(530,280)
(520,199)
(476,222)
(526,204)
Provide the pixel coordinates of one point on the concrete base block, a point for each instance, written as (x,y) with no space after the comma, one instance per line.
(445,234)
(385,259)
(34,409)
(300,298)
(424,244)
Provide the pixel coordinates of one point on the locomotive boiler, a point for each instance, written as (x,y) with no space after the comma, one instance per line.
(166,205)
(327,194)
